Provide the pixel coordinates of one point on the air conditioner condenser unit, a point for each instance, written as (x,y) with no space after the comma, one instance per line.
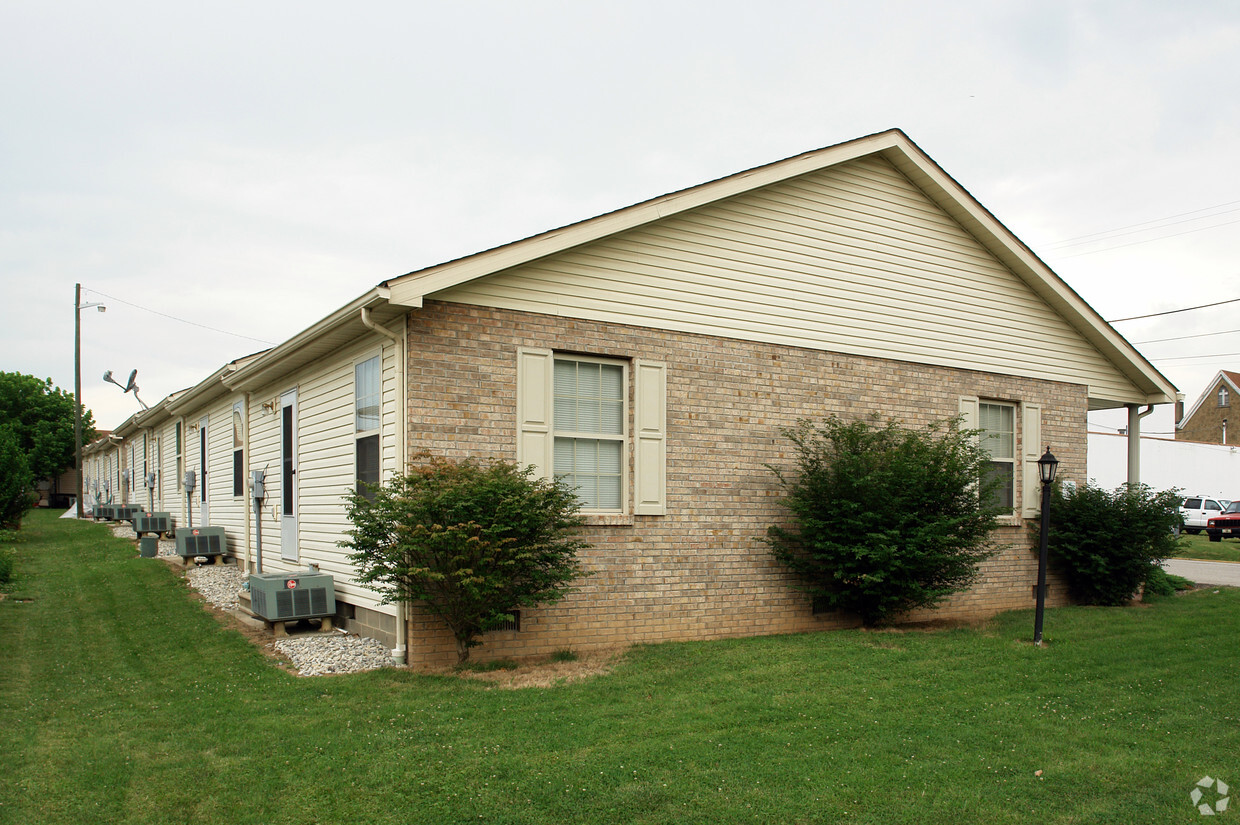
(201,541)
(282,597)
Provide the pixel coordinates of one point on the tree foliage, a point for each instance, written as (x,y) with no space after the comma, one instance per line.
(884,518)
(1106,544)
(41,416)
(17,494)
(471,541)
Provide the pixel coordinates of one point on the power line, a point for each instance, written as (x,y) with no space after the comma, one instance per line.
(1147,240)
(1196,357)
(1119,231)
(179,320)
(1186,337)
(1174,311)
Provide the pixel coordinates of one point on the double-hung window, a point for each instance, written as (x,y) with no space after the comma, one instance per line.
(589,424)
(238,422)
(1011,435)
(368,393)
(575,423)
(998,426)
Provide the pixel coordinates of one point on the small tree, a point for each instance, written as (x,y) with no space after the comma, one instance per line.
(41,416)
(1107,544)
(17,494)
(884,518)
(471,541)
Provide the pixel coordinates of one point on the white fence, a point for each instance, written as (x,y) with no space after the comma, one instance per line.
(1208,469)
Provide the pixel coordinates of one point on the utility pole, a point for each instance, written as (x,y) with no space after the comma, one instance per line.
(78,306)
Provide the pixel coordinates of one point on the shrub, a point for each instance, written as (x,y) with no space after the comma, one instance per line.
(884,518)
(1161,583)
(471,541)
(17,493)
(1107,544)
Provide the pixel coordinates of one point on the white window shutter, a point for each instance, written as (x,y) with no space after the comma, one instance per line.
(650,423)
(534,406)
(1031,451)
(970,419)
(970,412)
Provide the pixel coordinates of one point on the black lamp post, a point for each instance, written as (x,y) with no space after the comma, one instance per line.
(1047,465)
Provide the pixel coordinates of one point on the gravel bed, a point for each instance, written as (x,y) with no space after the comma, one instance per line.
(317,654)
(218,583)
(325,653)
(123,530)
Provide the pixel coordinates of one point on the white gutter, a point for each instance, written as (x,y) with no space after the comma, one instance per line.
(400,653)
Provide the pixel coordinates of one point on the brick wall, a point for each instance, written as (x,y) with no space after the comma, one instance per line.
(701,571)
(1206,425)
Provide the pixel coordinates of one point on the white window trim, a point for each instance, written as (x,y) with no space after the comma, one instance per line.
(622,437)
(358,435)
(646,441)
(1026,499)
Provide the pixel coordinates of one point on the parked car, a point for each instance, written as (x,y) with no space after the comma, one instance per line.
(1226,525)
(1198,510)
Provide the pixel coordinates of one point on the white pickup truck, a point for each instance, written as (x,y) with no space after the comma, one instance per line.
(1197,510)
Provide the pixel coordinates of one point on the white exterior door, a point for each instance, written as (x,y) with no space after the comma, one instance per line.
(204,513)
(288,476)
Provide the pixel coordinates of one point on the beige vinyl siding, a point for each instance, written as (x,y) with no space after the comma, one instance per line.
(265,455)
(326,469)
(169,487)
(852,259)
(225,510)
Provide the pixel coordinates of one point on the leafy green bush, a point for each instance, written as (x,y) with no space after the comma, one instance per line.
(1107,544)
(17,493)
(470,541)
(885,518)
(1160,583)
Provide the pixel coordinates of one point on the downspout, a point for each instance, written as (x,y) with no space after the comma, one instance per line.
(1134,441)
(400,652)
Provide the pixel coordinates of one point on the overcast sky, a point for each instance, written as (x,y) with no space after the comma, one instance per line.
(251,167)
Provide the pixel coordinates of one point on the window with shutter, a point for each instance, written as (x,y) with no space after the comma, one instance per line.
(573,424)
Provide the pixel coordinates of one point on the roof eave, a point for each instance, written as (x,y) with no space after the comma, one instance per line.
(313,341)
(1151,386)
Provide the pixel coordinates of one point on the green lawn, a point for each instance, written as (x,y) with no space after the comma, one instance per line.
(121,700)
(1200,547)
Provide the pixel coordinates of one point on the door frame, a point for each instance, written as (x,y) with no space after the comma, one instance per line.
(204,452)
(288,476)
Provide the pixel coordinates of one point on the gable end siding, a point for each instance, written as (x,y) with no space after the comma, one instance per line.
(852,259)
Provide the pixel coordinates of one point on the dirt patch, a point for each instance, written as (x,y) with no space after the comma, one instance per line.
(544,673)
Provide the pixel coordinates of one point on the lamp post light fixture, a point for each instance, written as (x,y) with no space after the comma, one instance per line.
(78,306)
(1047,465)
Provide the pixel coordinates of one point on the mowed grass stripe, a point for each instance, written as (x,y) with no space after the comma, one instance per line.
(142,708)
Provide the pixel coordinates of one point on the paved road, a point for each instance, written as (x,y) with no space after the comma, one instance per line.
(1205,572)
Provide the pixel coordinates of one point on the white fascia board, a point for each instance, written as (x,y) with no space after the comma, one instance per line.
(201,393)
(1153,386)
(415,285)
(264,366)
